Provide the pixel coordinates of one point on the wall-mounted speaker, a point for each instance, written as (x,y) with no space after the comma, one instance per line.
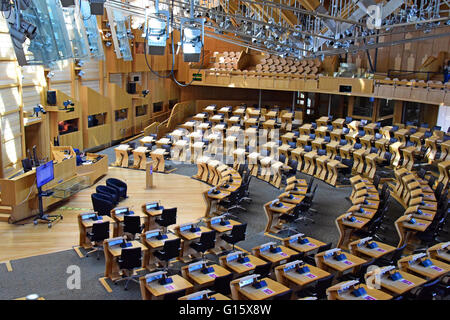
(51,98)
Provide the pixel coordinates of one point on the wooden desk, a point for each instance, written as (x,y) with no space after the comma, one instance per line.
(85,225)
(275,258)
(162,141)
(241,269)
(340,267)
(200,279)
(367,253)
(212,200)
(291,198)
(112,253)
(298,281)
(158,158)
(146,140)
(407,231)
(273,213)
(140,157)
(187,254)
(437,269)
(310,246)
(372,294)
(122,155)
(347,227)
(156,291)
(401,286)
(249,292)
(153,244)
(440,252)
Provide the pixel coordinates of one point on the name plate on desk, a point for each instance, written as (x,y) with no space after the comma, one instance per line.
(267,291)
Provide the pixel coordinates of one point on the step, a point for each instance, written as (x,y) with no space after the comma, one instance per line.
(6,209)
(4,217)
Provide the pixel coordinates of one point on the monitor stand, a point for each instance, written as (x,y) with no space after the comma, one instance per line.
(49,218)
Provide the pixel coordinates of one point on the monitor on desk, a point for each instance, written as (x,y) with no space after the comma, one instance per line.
(44,174)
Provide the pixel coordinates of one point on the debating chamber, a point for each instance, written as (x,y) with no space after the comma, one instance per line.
(226,150)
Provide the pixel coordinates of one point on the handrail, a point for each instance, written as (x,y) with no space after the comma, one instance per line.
(411,72)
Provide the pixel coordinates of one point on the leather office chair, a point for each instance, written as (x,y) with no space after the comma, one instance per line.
(207,241)
(132,225)
(170,250)
(289,218)
(297,256)
(284,296)
(129,260)
(428,291)
(392,258)
(222,284)
(168,218)
(102,204)
(109,191)
(263,270)
(237,234)
(319,288)
(99,232)
(175,295)
(119,185)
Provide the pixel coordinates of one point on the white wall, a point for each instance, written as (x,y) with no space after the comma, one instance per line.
(443,119)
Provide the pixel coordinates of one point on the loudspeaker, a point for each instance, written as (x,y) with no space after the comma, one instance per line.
(51,98)
(27,165)
(131,88)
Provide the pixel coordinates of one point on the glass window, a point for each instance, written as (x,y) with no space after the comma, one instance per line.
(386,122)
(96,119)
(363,107)
(141,110)
(121,114)
(411,112)
(158,107)
(67,126)
(172,103)
(386,107)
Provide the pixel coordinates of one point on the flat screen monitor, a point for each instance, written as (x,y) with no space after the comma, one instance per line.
(44,174)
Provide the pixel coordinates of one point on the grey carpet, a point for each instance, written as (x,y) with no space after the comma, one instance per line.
(46,274)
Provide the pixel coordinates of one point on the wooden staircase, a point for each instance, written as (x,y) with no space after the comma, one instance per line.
(5,213)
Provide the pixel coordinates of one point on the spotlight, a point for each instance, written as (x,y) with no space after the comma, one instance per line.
(97,7)
(50,75)
(108,44)
(80,63)
(81,73)
(67,3)
(145,93)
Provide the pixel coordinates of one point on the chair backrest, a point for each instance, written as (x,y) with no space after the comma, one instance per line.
(131,258)
(208,239)
(100,231)
(373,150)
(132,224)
(307,148)
(321,152)
(431,181)
(282,158)
(345,130)
(327,138)
(438,190)
(325,247)
(397,254)
(378,136)
(376,181)
(357,146)
(222,284)
(238,232)
(284,296)
(169,216)
(175,295)
(263,270)
(343,142)
(310,183)
(172,248)
(312,136)
(297,256)
(322,285)
(428,290)
(361,133)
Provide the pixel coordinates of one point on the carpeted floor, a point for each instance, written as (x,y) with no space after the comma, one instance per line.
(47,274)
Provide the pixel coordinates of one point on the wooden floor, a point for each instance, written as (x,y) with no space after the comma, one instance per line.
(173,190)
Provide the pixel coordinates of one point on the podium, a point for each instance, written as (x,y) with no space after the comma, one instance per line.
(149,175)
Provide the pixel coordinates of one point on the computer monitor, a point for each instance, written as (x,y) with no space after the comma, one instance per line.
(44,174)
